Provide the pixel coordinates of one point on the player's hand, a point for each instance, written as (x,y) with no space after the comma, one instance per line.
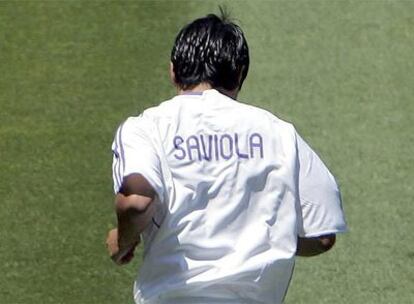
(119,255)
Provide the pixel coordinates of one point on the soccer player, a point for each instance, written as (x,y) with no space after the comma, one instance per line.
(224,194)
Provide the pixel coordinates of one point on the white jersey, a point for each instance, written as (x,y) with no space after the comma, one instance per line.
(235,187)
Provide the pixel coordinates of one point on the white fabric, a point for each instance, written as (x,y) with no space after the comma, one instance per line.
(236,186)
(320,199)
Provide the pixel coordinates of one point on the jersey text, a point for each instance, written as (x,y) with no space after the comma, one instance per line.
(217,147)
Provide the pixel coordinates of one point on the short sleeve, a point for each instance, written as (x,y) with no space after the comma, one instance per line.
(134,152)
(320,198)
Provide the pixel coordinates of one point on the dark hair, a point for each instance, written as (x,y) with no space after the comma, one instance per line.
(211,49)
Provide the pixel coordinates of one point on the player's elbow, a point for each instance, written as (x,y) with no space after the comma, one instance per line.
(327,242)
(132,203)
(308,247)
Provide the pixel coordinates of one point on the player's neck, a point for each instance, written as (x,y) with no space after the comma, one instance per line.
(199,88)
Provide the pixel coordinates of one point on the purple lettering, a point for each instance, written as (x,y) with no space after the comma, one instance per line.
(256,141)
(206,156)
(178,140)
(195,145)
(216,146)
(236,143)
(223,146)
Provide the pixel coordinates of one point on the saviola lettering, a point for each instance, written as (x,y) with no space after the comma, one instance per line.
(217,147)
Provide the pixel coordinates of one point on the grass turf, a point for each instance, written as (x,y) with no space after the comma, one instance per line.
(342,72)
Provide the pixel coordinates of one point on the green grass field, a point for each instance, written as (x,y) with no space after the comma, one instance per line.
(70,72)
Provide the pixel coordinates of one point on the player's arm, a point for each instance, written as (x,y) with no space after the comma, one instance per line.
(320,208)
(137,176)
(134,208)
(312,246)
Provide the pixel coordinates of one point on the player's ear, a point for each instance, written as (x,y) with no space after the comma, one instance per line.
(241,80)
(172,74)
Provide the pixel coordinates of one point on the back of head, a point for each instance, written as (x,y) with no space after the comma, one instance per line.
(212,50)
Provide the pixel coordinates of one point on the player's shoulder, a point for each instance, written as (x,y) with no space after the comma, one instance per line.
(134,125)
(264,116)
(160,111)
(149,115)
(132,122)
(145,120)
